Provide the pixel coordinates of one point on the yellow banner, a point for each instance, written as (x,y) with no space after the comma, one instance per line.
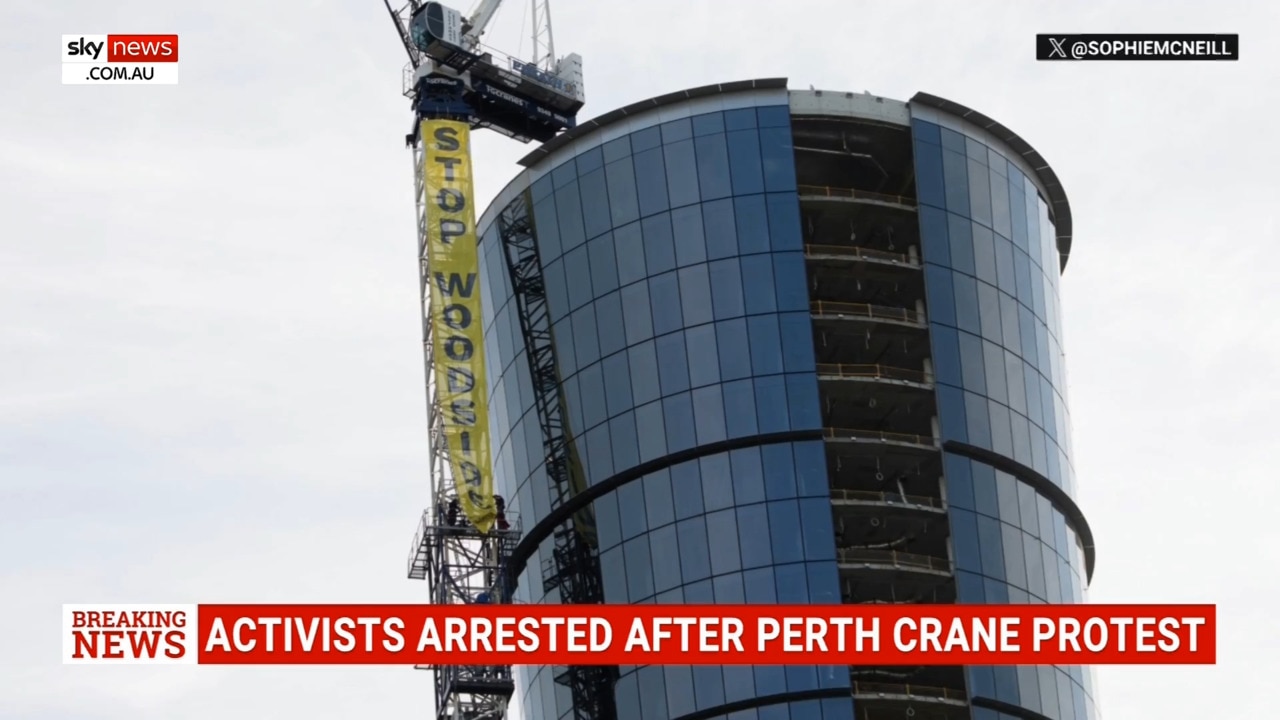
(453,261)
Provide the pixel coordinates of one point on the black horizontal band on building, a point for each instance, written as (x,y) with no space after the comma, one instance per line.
(764,700)
(1061,501)
(534,537)
(1007,708)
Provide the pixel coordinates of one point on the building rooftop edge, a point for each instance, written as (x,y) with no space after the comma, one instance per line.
(1044,174)
(1048,178)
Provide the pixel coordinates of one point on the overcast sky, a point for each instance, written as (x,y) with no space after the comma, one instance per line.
(210,360)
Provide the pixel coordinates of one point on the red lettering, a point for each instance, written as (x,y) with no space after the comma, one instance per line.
(86,644)
(77,619)
(173,639)
(112,639)
(144,643)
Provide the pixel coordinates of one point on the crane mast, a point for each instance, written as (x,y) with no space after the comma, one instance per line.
(466,539)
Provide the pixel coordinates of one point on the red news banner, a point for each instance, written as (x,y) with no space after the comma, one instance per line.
(640,634)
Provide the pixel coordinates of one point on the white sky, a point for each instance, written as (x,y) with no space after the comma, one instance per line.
(210,363)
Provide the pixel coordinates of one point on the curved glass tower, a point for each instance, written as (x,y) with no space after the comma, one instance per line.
(804,347)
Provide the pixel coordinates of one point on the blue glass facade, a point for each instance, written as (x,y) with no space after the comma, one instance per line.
(992,270)
(676,284)
(674,256)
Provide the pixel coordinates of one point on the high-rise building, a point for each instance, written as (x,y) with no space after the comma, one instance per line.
(802,347)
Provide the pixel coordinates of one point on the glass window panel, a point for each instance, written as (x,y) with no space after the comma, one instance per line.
(972,363)
(653,694)
(646,139)
(748,475)
(1007,684)
(695,295)
(979,192)
(989,309)
(925,131)
(1035,566)
(955,171)
(617,149)
(1000,211)
(1027,332)
(604,265)
(612,330)
(964,541)
(664,298)
(779,471)
(721,232)
(740,119)
(797,342)
(663,545)
(691,245)
(726,289)
(933,236)
(608,529)
(984,254)
(760,586)
(941,295)
(717,483)
(708,409)
(595,204)
(677,414)
(811,469)
(1005,277)
(784,529)
(1017,384)
(680,697)
(631,510)
(722,538)
(766,344)
(613,576)
(643,362)
(636,313)
(686,487)
(673,363)
(946,355)
(739,408)
(992,551)
(774,116)
(753,536)
(959,481)
(708,124)
(713,167)
(952,140)
(651,182)
(623,203)
(626,453)
(978,422)
(639,568)
(577,270)
(1022,274)
(569,211)
(695,555)
(628,244)
(675,130)
(772,410)
(967,309)
(752,221)
(745,167)
(585,341)
(784,221)
(793,587)
(548,229)
(951,414)
(735,355)
(819,534)
(704,363)
(739,683)
(929,174)
(1001,438)
(659,504)
(682,173)
(617,384)
(757,279)
(659,244)
(960,235)
(802,399)
(778,157)
(591,382)
(790,276)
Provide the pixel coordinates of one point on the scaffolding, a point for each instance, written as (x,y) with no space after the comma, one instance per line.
(574,567)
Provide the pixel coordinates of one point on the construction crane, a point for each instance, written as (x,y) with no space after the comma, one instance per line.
(465,541)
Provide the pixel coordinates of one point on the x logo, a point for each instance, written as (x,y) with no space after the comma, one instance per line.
(1058,50)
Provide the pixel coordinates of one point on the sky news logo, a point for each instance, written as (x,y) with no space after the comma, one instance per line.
(120,59)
